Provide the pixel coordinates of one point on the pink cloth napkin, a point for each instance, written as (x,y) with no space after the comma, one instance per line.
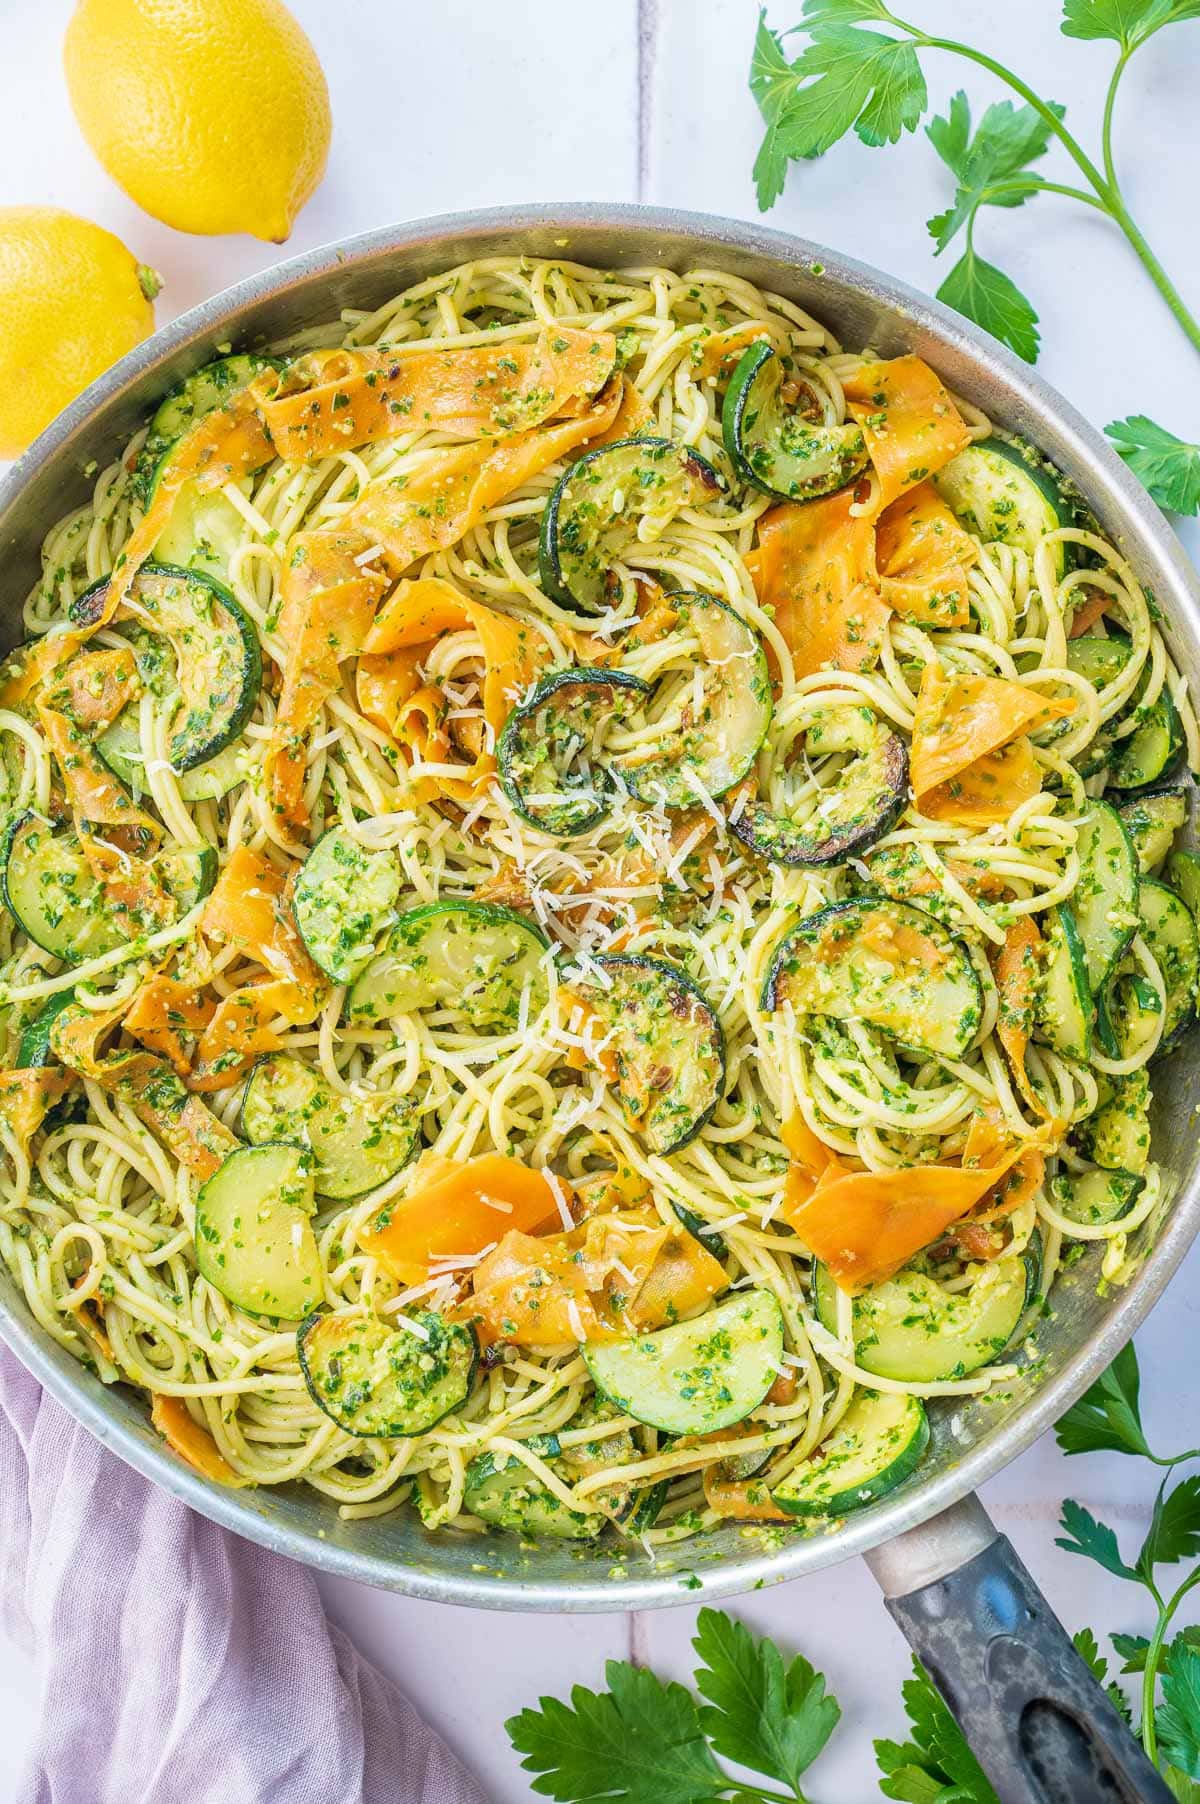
(179,1664)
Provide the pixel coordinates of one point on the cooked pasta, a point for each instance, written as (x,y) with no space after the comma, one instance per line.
(583,932)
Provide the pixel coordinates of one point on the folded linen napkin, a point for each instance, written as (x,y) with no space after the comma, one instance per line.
(178,1663)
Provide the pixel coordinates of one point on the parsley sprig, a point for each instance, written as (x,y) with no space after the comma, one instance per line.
(647,1741)
(860,70)
(1107,1418)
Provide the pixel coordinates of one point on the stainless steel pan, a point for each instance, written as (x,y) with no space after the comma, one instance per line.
(1041,1728)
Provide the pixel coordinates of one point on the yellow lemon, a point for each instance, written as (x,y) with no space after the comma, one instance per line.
(72,300)
(213,115)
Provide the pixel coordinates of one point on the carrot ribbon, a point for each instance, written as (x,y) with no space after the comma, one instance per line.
(865,1225)
(971,758)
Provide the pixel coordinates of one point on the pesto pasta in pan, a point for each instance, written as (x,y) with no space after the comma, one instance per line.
(593,886)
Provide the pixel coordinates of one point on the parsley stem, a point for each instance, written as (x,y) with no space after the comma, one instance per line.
(1110,101)
(1155,270)
(742,1789)
(1103,182)
(1023,183)
(1153,1656)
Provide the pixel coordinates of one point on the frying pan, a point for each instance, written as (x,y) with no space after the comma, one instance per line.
(1040,1726)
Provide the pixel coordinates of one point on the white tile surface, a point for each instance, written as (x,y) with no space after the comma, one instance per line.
(535,100)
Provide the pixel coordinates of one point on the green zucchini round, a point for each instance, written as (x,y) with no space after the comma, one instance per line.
(1006,493)
(911,1329)
(835,963)
(699,1376)
(701,752)
(568,713)
(472,956)
(865,801)
(594,511)
(218,660)
(879,1442)
(391,1382)
(1096,1198)
(501,1490)
(205,389)
(778,450)
(51,893)
(344,899)
(667,1043)
(357,1143)
(254,1236)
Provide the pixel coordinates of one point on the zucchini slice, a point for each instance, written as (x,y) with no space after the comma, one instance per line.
(789,453)
(912,1329)
(1152,820)
(375,1380)
(1095,1198)
(866,797)
(254,1236)
(1153,748)
(501,1489)
(471,956)
(1063,1008)
(207,388)
(879,1442)
(608,500)
(1105,899)
(1117,1135)
(33,1049)
(1183,873)
(698,1376)
(203,532)
(52,895)
(357,1143)
(1006,493)
(550,753)
(1101,661)
(120,746)
(1169,931)
(884,962)
(698,745)
(345,897)
(217,659)
(665,1056)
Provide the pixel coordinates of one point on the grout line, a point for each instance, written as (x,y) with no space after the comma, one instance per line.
(647,30)
(637,1638)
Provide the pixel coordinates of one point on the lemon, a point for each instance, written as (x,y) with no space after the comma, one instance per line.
(72,300)
(213,115)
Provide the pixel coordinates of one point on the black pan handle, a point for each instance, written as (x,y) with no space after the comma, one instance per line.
(1039,1725)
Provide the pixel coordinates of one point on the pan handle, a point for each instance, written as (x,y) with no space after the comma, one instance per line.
(1039,1725)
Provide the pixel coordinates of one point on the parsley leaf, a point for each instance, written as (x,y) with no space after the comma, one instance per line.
(1127,22)
(1133,1650)
(1174,1532)
(1094,1540)
(761,1714)
(843,79)
(1087,1647)
(1179,1715)
(986,295)
(936,1765)
(843,12)
(1108,1417)
(771,83)
(1167,466)
(638,1743)
(992,167)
